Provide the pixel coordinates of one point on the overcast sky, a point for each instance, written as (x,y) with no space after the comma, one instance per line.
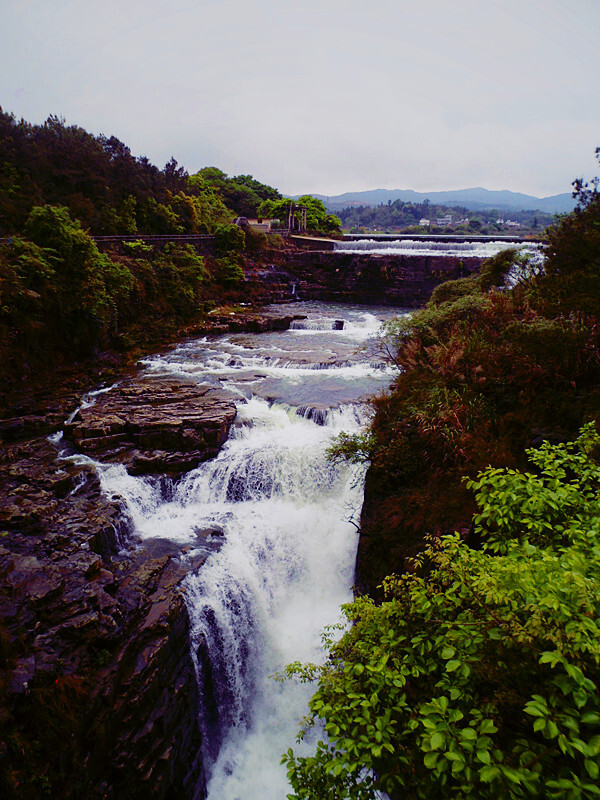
(326,97)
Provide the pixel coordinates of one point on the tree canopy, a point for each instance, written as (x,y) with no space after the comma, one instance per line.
(106,188)
(317,217)
(243,194)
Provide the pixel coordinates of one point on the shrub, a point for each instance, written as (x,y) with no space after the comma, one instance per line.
(229,239)
(478,675)
(88,284)
(227,272)
(137,248)
(449,291)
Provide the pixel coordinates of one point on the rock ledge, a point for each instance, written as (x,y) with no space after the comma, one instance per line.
(154,426)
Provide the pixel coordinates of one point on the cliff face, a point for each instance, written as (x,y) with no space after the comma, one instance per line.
(405,281)
(99,692)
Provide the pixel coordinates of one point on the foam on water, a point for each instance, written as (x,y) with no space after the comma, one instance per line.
(466,249)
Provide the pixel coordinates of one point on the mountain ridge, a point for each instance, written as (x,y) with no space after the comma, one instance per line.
(475,198)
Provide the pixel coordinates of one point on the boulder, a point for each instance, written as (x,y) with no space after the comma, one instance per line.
(154,426)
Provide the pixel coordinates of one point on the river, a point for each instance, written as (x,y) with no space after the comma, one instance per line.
(281,519)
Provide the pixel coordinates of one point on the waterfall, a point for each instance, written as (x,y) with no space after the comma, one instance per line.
(412,247)
(284,570)
(276,518)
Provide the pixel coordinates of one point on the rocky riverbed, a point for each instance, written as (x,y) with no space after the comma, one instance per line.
(151,427)
(99,694)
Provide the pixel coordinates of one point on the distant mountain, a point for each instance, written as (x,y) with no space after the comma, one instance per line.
(476,199)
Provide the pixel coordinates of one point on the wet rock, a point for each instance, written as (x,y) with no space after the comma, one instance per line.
(153,426)
(241,322)
(394,280)
(96,679)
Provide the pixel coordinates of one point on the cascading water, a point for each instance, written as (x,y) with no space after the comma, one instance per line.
(279,518)
(422,247)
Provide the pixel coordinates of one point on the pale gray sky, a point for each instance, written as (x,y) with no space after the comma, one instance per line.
(328,96)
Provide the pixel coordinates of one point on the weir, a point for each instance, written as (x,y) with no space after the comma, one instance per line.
(390,271)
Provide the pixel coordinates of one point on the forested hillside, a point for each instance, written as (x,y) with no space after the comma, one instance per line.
(61,298)
(109,190)
(401,215)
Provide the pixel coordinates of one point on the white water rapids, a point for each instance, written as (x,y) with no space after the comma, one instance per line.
(426,247)
(282,515)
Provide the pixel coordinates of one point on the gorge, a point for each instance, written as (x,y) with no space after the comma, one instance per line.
(247,555)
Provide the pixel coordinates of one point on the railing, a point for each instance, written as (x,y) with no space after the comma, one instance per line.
(161,238)
(155,237)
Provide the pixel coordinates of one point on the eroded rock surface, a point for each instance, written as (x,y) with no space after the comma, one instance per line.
(98,692)
(154,426)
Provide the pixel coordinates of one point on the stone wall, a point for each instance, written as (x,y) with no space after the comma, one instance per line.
(395,280)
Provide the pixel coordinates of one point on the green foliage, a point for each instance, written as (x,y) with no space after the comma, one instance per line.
(181,273)
(227,272)
(137,248)
(256,241)
(88,284)
(572,267)
(127,221)
(494,270)
(242,194)
(229,239)
(96,178)
(492,274)
(317,217)
(434,323)
(159,218)
(27,291)
(355,448)
(478,675)
(452,290)
(210,208)
(60,295)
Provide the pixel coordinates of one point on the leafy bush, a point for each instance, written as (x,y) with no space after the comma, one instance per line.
(88,284)
(229,239)
(449,291)
(494,270)
(478,675)
(137,248)
(227,272)
(181,274)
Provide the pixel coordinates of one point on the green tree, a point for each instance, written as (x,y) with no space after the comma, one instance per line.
(88,284)
(243,194)
(229,239)
(317,218)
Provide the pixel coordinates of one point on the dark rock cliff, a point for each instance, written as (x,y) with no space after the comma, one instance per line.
(393,280)
(98,689)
